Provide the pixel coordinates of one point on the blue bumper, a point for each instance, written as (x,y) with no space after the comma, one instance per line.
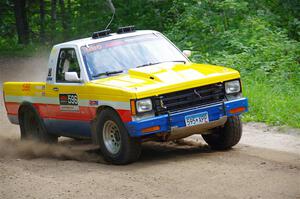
(167,121)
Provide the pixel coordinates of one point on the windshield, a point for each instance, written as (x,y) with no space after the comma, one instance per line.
(119,55)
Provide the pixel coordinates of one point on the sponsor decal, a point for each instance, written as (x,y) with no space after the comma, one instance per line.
(50,72)
(49,78)
(40,87)
(69,108)
(68,99)
(68,102)
(93,103)
(26,87)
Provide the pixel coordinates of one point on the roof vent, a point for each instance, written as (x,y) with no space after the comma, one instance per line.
(126,29)
(101,33)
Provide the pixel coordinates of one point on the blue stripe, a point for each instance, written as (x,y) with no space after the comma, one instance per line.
(235,104)
(166,122)
(68,128)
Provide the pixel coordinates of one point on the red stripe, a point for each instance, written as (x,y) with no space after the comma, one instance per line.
(12,108)
(125,115)
(52,111)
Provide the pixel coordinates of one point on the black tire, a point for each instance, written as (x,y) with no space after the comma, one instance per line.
(129,148)
(32,126)
(225,137)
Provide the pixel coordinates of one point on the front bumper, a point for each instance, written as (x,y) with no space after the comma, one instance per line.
(169,122)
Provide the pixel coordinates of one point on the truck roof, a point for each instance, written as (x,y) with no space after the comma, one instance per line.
(112,36)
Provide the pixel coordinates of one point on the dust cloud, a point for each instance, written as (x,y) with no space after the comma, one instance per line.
(13,148)
(28,149)
(32,69)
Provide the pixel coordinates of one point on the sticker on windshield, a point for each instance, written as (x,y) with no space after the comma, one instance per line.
(119,42)
(91,48)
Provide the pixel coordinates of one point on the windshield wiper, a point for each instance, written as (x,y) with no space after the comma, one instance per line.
(150,64)
(107,73)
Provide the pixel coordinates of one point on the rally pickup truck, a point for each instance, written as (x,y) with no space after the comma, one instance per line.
(125,88)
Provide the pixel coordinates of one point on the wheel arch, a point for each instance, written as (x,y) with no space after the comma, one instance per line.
(22,107)
(43,134)
(94,122)
(21,111)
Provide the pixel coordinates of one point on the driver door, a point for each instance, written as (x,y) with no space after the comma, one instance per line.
(65,115)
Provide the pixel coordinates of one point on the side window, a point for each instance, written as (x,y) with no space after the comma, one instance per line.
(67,62)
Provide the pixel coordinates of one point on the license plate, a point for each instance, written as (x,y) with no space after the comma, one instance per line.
(199,118)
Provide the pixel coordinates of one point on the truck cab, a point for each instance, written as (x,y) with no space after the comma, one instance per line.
(122,89)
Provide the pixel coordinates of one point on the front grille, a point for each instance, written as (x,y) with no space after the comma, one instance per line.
(185,99)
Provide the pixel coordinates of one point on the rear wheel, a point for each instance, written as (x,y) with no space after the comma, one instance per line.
(225,137)
(116,145)
(32,126)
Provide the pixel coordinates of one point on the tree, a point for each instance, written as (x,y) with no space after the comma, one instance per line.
(42,21)
(53,18)
(21,21)
(63,18)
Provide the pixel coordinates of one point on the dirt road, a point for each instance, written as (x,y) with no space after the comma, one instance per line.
(266,163)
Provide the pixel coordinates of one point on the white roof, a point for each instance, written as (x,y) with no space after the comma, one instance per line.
(90,40)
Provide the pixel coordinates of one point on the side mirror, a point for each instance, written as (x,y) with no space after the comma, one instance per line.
(187,53)
(72,77)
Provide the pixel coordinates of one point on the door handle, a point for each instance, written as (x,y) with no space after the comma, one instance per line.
(55,89)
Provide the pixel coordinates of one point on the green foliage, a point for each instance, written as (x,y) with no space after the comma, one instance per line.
(260,38)
(272,104)
(232,33)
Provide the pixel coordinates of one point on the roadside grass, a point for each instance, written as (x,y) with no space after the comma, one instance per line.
(272,104)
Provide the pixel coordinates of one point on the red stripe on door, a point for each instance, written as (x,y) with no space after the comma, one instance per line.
(52,111)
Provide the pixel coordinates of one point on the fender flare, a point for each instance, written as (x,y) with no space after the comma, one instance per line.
(20,115)
(95,138)
(25,104)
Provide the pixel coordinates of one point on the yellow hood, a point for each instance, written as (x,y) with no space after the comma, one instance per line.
(168,77)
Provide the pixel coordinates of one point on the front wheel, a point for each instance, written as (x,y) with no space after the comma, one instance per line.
(116,145)
(222,138)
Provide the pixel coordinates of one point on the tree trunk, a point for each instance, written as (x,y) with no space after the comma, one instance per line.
(42,21)
(21,21)
(69,17)
(69,7)
(63,18)
(53,18)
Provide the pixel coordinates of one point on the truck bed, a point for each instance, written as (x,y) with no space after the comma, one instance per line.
(16,93)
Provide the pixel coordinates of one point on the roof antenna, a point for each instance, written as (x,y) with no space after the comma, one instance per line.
(112,7)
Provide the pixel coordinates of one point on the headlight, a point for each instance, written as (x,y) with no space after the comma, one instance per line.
(232,87)
(144,105)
